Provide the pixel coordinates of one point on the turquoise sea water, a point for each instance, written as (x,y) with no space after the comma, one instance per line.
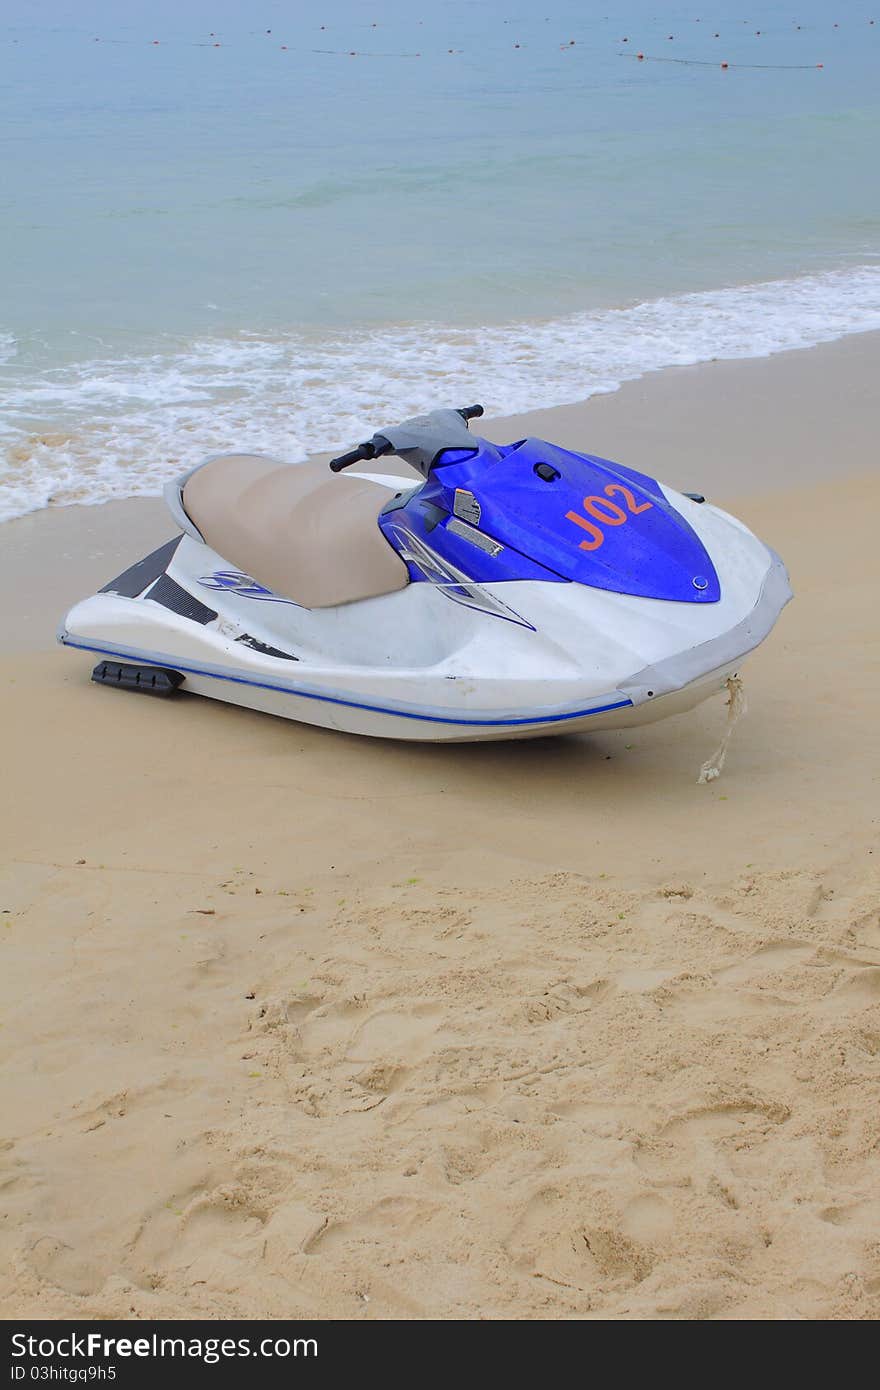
(258,232)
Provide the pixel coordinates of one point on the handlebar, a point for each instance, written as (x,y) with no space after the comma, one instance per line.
(375,447)
(363,451)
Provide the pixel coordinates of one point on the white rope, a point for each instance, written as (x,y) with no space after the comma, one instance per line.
(736,708)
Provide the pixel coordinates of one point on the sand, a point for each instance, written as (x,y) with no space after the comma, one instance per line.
(297,1024)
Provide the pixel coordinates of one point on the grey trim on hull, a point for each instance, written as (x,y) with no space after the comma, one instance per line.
(173,494)
(687,666)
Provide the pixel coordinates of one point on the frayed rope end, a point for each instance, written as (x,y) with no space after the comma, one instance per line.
(736,708)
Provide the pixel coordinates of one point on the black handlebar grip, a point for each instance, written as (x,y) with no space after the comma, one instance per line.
(471,412)
(363,451)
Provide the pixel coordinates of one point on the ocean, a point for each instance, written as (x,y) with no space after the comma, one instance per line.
(275,228)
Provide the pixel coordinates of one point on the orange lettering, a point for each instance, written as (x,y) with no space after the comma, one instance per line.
(634,506)
(588,526)
(606,511)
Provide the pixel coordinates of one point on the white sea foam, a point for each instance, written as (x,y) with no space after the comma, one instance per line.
(119,428)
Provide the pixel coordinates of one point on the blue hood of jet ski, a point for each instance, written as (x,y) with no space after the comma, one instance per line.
(576,516)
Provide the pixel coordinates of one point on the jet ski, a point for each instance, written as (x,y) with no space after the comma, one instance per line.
(484,591)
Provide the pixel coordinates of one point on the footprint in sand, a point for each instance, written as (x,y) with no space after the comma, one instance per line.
(560,1238)
(862,987)
(723,1121)
(395,1035)
(863,1215)
(60,1265)
(328,1027)
(777,955)
(299,1006)
(290,1231)
(647,1218)
(392,1216)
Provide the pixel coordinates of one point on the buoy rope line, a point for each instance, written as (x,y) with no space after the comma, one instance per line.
(214,41)
(283,47)
(453,52)
(710,63)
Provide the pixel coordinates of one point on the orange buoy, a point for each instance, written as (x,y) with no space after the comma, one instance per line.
(640,57)
(725,65)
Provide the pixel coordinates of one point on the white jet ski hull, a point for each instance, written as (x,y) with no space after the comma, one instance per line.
(440,662)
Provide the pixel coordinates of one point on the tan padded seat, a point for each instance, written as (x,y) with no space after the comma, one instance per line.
(302,531)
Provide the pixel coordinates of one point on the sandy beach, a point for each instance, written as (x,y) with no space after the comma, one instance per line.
(300,1024)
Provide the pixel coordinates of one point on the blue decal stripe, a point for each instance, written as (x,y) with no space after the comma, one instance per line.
(338,700)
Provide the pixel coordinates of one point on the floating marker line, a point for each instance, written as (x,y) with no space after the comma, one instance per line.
(214,40)
(713,63)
